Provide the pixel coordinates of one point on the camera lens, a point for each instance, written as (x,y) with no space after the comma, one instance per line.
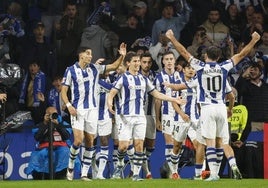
(54,115)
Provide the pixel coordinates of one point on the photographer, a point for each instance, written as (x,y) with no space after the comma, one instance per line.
(39,163)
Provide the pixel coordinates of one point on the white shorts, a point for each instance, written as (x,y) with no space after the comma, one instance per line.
(105,127)
(214,121)
(199,137)
(168,124)
(131,127)
(192,132)
(180,131)
(86,120)
(150,127)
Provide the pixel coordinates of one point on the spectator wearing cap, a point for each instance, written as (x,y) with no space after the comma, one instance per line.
(145,22)
(39,47)
(169,21)
(33,87)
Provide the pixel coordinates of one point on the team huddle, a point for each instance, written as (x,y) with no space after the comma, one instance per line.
(190,102)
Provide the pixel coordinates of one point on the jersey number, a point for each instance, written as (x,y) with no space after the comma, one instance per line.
(214,83)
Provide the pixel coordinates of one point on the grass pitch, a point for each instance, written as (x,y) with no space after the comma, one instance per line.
(128,183)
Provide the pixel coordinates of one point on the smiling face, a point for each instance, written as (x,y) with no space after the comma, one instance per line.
(189,72)
(85,56)
(134,65)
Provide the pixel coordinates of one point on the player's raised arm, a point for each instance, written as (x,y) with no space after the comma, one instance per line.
(255,37)
(178,46)
(122,51)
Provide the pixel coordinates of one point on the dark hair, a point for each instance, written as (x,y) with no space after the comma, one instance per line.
(146,54)
(213,53)
(129,57)
(82,49)
(257,65)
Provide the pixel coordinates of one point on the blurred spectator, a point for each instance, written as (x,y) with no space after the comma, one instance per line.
(216,30)
(11,31)
(234,22)
(242,4)
(263,46)
(38,47)
(256,25)
(169,21)
(163,46)
(253,93)
(51,13)
(84,8)
(145,22)
(200,43)
(33,85)
(251,88)
(98,37)
(247,14)
(132,30)
(69,32)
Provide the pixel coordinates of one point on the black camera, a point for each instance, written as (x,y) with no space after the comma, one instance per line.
(54,116)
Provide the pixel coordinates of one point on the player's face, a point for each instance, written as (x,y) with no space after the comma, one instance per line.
(86,56)
(189,72)
(169,61)
(134,64)
(146,64)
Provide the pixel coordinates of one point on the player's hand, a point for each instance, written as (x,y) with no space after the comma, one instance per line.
(158,125)
(229,113)
(100,61)
(238,143)
(72,110)
(167,84)
(122,49)
(169,34)
(256,36)
(110,108)
(180,100)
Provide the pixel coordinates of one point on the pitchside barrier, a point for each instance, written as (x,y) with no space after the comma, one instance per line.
(23,143)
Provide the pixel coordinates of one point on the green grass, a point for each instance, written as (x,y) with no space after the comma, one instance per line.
(128,183)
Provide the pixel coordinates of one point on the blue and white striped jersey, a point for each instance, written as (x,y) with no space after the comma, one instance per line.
(149,108)
(167,107)
(190,95)
(83,84)
(133,89)
(212,78)
(105,86)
